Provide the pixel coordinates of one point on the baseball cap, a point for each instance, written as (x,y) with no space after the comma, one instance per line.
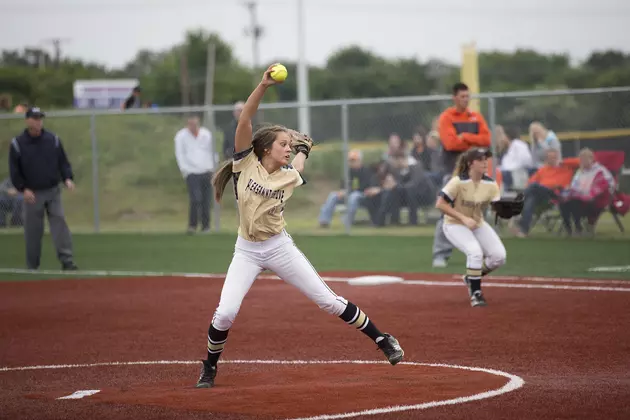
(478,153)
(34,112)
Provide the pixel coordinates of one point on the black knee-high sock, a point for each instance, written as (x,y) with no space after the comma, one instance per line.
(358,319)
(216,342)
(474,278)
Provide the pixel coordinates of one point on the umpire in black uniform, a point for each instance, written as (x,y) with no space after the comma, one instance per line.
(38,164)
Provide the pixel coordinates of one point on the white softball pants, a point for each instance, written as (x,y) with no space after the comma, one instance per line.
(477,244)
(280,255)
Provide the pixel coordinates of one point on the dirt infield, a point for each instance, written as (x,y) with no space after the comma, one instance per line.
(287,359)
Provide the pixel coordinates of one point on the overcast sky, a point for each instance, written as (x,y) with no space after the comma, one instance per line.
(112,31)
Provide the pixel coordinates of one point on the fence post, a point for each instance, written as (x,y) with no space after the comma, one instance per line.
(216,160)
(346,148)
(492,118)
(95,201)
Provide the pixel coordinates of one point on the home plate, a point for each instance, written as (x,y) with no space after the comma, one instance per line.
(374,280)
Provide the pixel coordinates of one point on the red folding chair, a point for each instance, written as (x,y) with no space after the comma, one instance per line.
(613,160)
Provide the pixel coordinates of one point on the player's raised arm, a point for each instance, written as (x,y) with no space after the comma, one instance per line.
(243,137)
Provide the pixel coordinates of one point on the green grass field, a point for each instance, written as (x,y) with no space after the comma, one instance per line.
(542,256)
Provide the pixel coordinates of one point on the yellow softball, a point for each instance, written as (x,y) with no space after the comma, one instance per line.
(279,73)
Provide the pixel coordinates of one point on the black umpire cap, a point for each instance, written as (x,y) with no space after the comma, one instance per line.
(34,112)
(478,153)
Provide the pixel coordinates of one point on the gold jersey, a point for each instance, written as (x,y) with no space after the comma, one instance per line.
(470,198)
(261,196)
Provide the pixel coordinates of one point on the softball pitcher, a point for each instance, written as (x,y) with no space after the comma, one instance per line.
(263,183)
(464,200)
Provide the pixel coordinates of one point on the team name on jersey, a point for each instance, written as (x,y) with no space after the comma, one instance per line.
(471,204)
(258,189)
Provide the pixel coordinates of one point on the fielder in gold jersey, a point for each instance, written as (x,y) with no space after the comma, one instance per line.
(464,200)
(264,181)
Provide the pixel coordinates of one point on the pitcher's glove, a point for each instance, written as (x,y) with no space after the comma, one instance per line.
(508,208)
(301,143)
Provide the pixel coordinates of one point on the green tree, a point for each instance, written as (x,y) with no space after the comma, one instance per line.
(521,70)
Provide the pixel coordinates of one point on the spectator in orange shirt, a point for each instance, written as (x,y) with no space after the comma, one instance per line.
(459,129)
(545,185)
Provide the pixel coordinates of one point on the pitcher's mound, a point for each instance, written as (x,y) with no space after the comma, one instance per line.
(289,389)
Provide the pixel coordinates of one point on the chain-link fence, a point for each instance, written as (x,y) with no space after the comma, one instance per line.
(376,167)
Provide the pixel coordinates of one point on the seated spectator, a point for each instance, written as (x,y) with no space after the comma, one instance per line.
(517,158)
(543,139)
(408,186)
(426,151)
(418,147)
(10,203)
(361,179)
(545,185)
(385,185)
(588,195)
(397,148)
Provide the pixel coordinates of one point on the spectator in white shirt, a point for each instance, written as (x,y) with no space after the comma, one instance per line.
(517,157)
(194,151)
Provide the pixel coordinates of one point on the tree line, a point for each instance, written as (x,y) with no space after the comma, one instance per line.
(33,75)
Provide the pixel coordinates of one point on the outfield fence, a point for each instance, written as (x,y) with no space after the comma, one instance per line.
(128,180)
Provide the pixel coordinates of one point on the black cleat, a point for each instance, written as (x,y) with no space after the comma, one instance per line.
(207,375)
(477,299)
(390,346)
(69,266)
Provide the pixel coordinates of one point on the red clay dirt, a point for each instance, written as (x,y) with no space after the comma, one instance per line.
(572,348)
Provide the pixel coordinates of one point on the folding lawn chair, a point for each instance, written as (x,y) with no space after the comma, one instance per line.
(613,160)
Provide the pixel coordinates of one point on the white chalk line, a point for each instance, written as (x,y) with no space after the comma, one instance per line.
(515,382)
(613,269)
(77,395)
(551,279)
(330,279)
(518,286)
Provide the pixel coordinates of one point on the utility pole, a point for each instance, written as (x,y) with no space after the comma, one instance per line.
(209,94)
(56,43)
(304,120)
(255,30)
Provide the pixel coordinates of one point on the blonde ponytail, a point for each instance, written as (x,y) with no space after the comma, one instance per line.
(221,179)
(461,166)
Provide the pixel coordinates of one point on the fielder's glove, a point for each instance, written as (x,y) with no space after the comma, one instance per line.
(508,208)
(301,143)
